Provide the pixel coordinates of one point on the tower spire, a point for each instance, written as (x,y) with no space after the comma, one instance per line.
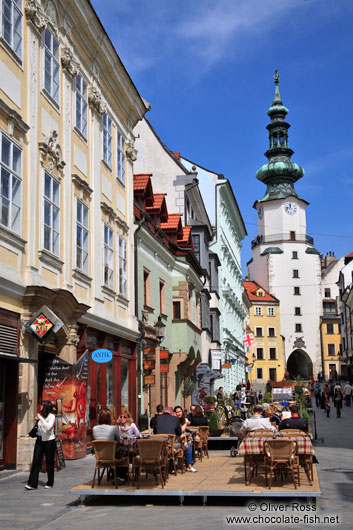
(280,173)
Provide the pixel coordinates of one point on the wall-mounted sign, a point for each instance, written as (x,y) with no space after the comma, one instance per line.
(102,356)
(41,326)
(149,380)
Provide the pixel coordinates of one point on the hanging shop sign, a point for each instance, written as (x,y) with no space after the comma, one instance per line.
(102,356)
(149,380)
(41,327)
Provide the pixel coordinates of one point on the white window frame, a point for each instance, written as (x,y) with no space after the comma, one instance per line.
(81,105)
(107,139)
(108,256)
(14,196)
(81,236)
(271,312)
(258,311)
(51,75)
(15,8)
(262,331)
(122,266)
(120,157)
(274,332)
(52,202)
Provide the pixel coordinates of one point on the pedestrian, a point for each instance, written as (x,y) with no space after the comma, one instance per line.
(45,445)
(338,400)
(317,394)
(259,396)
(348,391)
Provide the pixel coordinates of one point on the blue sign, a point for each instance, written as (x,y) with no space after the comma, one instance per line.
(102,356)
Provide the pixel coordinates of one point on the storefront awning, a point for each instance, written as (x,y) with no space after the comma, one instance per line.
(15,358)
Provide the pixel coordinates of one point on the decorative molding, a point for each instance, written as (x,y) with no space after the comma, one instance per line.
(120,222)
(51,147)
(36,15)
(130,151)
(121,299)
(81,276)
(50,259)
(108,291)
(299,343)
(13,118)
(68,61)
(82,184)
(108,210)
(11,238)
(95,99)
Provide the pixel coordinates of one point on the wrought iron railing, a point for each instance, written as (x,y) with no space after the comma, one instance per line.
(286,236)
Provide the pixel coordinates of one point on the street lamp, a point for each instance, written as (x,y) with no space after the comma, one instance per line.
(159,329)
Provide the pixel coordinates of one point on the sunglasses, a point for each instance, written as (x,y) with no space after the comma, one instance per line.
(123,417)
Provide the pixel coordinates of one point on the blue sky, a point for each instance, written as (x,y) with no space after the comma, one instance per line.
(206,67)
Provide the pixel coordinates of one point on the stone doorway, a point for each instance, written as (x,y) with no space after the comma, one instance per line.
(300,364)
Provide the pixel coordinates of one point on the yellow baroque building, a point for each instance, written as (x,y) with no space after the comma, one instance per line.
(265,357)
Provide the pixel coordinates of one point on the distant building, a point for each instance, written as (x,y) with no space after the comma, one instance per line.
(266,355)
(345,285)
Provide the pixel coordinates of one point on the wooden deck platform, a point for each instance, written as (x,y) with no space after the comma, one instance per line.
(218,476)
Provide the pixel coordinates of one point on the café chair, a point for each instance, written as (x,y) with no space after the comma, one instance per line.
(201,446)
(151,458)
(281,455)
(104,451)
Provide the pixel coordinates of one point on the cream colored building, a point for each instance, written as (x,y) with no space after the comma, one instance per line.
(67,111)
(266,353)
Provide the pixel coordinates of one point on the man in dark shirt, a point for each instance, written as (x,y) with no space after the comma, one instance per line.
(295,422)
(159,410)
(166,423)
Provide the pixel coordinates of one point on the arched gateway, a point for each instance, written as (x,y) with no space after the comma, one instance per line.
(299,363)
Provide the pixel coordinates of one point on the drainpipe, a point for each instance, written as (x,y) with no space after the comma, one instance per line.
(139,368)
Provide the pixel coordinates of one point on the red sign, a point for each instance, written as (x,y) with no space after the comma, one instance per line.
(149,380)
(249,339)
(41,326)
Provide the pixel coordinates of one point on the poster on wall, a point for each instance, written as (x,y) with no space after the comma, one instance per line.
(66,385)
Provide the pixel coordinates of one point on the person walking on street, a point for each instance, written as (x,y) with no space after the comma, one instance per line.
(317,394)
(325,402)
(338,400)
(45,445)
(348,391)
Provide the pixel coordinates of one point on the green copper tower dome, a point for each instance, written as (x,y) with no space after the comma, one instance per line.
(280,173)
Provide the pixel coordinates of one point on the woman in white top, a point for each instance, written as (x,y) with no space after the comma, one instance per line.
(45,445)
(126,426)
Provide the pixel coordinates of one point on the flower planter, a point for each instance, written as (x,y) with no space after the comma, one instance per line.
(215,433)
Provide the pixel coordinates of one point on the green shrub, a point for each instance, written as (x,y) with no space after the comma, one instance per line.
(213,423)
(210,399)
(267,397)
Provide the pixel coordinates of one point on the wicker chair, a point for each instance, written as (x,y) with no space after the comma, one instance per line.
(280,455)
(201,446)
(306,461)
(104,451)
(151,457)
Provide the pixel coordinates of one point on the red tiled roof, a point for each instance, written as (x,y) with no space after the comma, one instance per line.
(141,181)
(252,287)
(172,223)
(186,235)
(157,202)
(177,155)
(350,255)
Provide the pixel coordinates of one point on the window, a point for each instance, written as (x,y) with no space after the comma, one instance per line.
(329,329)
(176,311)
(12,25)
(259,354)
(120,157)
(108,257)
(271,311)
(196,240)
(329,307)
(51,65)
(258,311)
(81,105)
(51,213)
(297,290)
(11,183)
(81,236)
(146,287)
(122,266)
(295,273)
(271,332)
(162,304)
(294,254)
(297,311)
(298,328)
(273,354)
(327,293)
(107,140)
(258,332)
(259,373)
(331,349)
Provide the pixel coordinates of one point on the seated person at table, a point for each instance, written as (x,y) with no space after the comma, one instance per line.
(197,417)
(167,423)
(126,426)
(270,413)
(188,416)
(105,430)
(256,422)
(159,410)
(178,411)
(295,422)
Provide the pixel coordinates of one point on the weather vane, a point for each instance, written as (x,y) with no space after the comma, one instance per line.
(276,77)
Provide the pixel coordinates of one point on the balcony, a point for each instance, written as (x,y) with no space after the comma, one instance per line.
(280,238)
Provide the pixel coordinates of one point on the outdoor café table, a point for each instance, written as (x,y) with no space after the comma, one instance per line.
(253,445)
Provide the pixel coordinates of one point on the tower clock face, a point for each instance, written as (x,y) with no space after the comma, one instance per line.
(260,212)
(290,208)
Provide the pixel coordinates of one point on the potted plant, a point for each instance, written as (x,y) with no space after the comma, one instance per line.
(213,425)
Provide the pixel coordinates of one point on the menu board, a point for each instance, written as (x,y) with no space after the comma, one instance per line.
(284,393)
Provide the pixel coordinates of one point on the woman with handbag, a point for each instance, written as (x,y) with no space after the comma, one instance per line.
(45,445)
